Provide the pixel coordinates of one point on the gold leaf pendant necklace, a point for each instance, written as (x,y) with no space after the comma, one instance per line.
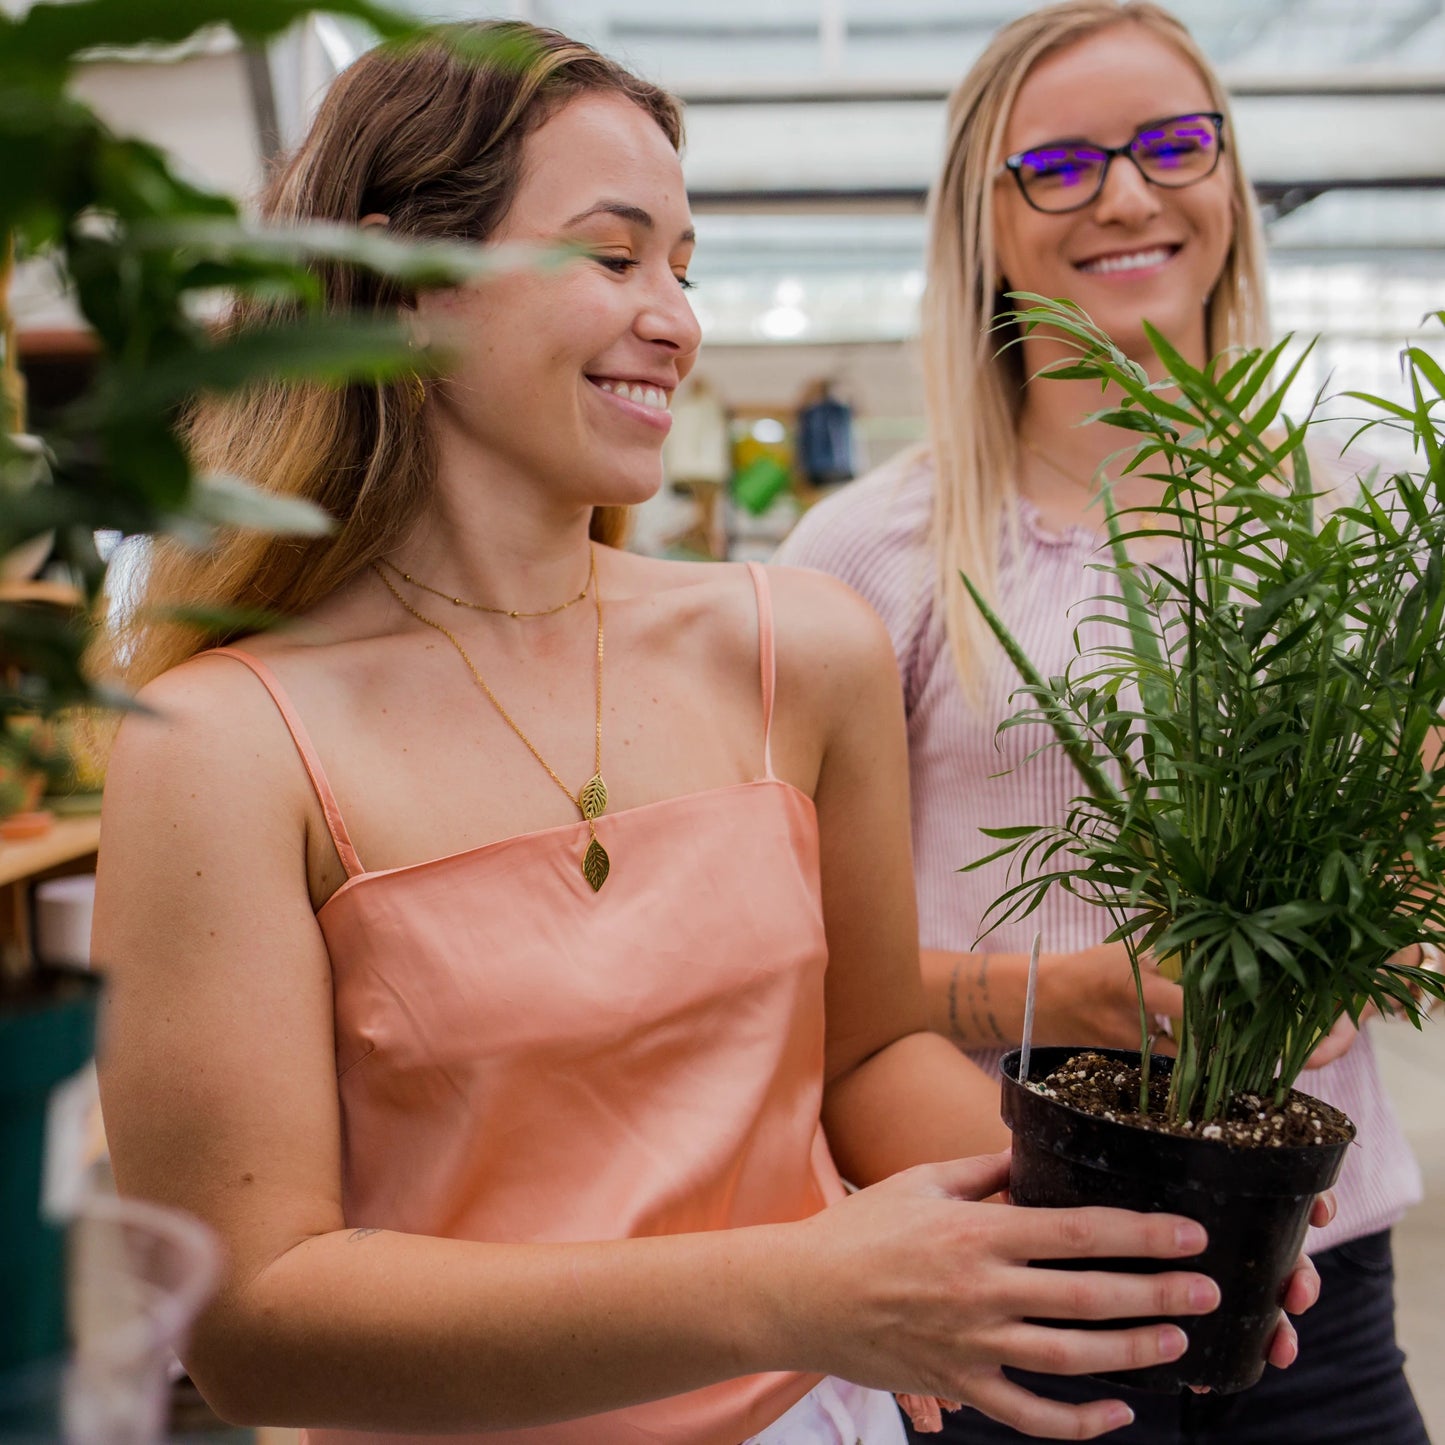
(591,800)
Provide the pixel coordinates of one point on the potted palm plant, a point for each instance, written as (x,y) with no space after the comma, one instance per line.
(136,245)
(1253,715)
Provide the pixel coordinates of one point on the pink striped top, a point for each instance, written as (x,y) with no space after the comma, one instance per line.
(874,536)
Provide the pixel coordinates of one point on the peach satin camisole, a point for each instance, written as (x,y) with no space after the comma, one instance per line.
(520,1059)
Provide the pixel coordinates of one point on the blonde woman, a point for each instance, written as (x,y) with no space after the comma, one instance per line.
(515,1094)
(1090,155)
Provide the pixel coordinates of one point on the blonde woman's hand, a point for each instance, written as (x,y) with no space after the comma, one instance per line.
(1337,1043)
(913,1286)
(1342,1036)
(1301,1292)
(1089,998)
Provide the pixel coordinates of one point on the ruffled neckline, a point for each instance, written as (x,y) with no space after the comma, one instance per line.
(1076,534)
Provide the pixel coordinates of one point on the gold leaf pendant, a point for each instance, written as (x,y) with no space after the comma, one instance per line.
(593,801)
(595,864)
(593,797)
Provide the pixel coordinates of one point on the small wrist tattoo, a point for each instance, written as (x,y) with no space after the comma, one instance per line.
(953,1028)
(984,1023)
(994,1031)
(361,1234)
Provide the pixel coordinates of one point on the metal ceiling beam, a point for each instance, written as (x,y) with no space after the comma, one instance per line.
(680,29)
(1277,198)
(263,104)
(891,150)
(824,90)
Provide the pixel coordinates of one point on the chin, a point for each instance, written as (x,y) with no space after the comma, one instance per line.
(627,490)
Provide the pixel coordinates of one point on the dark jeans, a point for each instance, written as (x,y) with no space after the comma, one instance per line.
(1346,1387)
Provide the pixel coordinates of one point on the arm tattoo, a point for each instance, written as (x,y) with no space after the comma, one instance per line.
(987,1001)
(361,1234)
(985,1025)
(953,1001)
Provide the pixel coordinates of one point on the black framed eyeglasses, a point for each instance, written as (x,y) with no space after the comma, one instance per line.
(1066,175)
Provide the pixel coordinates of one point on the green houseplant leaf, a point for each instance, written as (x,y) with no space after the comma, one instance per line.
(1269,693)
(137,244)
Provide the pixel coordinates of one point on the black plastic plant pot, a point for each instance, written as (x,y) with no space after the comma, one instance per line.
(1254,1202)
(47,1035)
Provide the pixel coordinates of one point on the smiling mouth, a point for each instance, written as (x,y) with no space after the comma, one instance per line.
(1120,261)
(640,392)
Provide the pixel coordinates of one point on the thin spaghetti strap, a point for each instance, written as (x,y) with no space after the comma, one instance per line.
(312,763)
(767,663)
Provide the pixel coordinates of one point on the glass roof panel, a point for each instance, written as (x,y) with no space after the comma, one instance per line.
(930,42)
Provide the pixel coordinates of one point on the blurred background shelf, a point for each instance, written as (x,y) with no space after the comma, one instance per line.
(69,841)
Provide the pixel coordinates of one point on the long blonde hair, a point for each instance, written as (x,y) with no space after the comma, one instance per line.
(430,137)
(974,387)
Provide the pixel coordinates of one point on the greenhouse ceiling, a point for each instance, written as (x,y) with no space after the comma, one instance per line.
(817,102)
(814,126)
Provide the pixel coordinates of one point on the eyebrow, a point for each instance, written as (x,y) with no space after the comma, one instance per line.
(626,212)
(1071,140)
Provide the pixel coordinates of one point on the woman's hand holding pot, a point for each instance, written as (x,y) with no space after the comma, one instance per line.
(1302,1291)
(914,1286)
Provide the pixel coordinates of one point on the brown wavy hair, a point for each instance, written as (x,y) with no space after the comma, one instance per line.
(429,135)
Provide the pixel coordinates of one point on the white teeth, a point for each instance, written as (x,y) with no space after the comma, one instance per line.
(1137,261)
(651,396)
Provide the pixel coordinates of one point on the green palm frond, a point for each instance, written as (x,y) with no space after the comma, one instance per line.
(1269,697)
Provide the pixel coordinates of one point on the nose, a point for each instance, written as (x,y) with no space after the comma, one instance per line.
(666,318)
(1126,197)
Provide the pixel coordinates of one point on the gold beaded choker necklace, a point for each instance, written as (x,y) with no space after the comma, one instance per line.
(481,606)
(591,801)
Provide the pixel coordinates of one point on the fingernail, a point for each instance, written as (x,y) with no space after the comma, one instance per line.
(1204,1295)
(1172,1342)
(1120,1416)
(1190,1237)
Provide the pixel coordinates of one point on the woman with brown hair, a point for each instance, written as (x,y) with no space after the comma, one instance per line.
(505,951)
(1090,156)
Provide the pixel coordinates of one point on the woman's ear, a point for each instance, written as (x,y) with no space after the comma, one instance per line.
(374,221)
(418,333)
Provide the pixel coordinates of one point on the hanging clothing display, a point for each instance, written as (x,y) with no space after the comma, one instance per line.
(696,449)
(826,452)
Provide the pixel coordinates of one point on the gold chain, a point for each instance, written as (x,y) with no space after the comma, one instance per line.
(1054,466)
(481,606)
(591,801)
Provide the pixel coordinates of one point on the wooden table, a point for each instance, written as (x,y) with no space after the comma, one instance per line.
(69,847)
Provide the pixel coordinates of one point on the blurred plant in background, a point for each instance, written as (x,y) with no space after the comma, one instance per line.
(140,249)
(142,252)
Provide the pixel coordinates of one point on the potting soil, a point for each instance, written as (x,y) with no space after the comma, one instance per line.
(1106,1088)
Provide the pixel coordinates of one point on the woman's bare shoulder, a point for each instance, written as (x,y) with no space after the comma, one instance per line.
(830,640)
(823,609)
(205,731)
